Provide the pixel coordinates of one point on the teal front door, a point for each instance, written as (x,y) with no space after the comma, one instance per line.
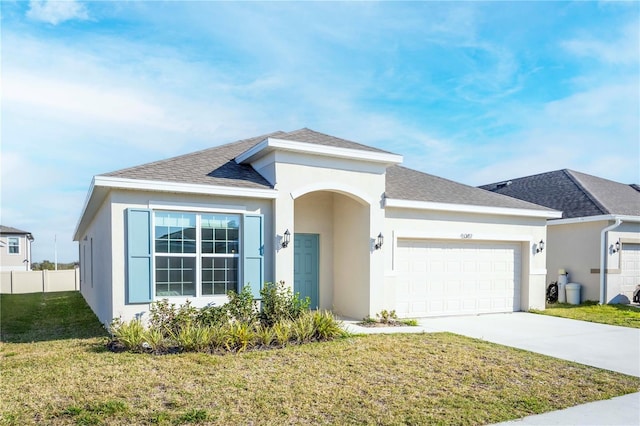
(305,267)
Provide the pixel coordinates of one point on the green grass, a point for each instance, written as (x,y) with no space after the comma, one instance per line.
(622,315)
(437,378)
(46,316)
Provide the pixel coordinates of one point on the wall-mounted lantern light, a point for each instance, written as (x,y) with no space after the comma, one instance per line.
(540,246)
(379,241)
(286,238)
(616,247)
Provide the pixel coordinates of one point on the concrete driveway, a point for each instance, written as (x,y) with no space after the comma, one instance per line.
(603,346)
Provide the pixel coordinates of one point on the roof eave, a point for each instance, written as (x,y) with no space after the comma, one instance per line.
(101,185)
(272,144)
(467,208)
(598,218)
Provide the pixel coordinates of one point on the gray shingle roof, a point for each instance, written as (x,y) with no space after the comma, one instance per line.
(213,166)
(576,194)
(216,166)
(407,184)
(311,136)
(10,230)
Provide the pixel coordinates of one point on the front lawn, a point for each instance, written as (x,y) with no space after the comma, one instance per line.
(46,316)
(622,315)
(435,378)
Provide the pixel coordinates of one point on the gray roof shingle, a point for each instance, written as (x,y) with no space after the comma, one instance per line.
(311,136)
(213,166)
(10,230)
(576,194)
(407,184)
(216,166)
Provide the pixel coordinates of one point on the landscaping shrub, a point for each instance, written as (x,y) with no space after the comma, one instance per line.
(303,328)
(326,326)
(279,303)
(236,326)
(129,334)
(241,306)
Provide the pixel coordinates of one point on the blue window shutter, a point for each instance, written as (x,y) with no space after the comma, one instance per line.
(139,240)
(253,253)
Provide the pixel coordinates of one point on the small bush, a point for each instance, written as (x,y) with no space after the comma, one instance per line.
(213,316)
(241,306)
(193,338)
(156,340)
(303,328)
(243,337)
(264,335)
(279,303)
(130,334)
(326,326)
(282,332)
(387,317)
(164,316)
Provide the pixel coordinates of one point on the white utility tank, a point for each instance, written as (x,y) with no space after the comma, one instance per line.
(563,278)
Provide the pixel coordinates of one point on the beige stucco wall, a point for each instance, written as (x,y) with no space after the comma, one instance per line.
(314,215)
(121,200)
(576,248)
(437,225)
(96,265)
(357,216)
(15,261)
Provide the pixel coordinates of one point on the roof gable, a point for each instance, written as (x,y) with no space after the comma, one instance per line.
(311,136)
(575,194)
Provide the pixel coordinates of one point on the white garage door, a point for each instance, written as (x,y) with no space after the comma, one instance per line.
(630,268)
(453,278)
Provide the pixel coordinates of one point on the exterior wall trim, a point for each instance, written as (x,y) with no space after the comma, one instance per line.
(153,185)
(271,144)
(464,208)
(347,190)
(599,218)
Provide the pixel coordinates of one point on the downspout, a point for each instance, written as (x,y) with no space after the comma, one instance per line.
(603,263)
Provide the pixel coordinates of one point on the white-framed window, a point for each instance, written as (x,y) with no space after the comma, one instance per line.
(13,245)
(195,254)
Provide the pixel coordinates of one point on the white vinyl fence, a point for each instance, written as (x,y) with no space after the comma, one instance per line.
(17,282)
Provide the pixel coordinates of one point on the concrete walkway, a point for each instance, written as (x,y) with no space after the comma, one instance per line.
(598,345)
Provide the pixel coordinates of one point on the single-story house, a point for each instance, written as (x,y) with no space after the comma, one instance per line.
(342,223)
(15,249)
(597,239)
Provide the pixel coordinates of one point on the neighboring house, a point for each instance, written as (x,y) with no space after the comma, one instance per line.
(597,240)
(15,249)
(340,222)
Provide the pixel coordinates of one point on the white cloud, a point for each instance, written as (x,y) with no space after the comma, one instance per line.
(55,12)
(623,49)
(595,131)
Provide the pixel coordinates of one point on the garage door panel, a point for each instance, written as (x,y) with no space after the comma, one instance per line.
(457,278)
(629,268)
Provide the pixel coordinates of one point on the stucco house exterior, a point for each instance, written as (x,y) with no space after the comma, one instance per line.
(597,239)
(342,223)
(15,249)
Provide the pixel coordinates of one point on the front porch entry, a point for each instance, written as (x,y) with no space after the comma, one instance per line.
(306,267)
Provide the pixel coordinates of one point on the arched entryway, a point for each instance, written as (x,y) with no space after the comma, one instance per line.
(332,251)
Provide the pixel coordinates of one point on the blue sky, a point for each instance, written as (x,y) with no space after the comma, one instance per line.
(476,92)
